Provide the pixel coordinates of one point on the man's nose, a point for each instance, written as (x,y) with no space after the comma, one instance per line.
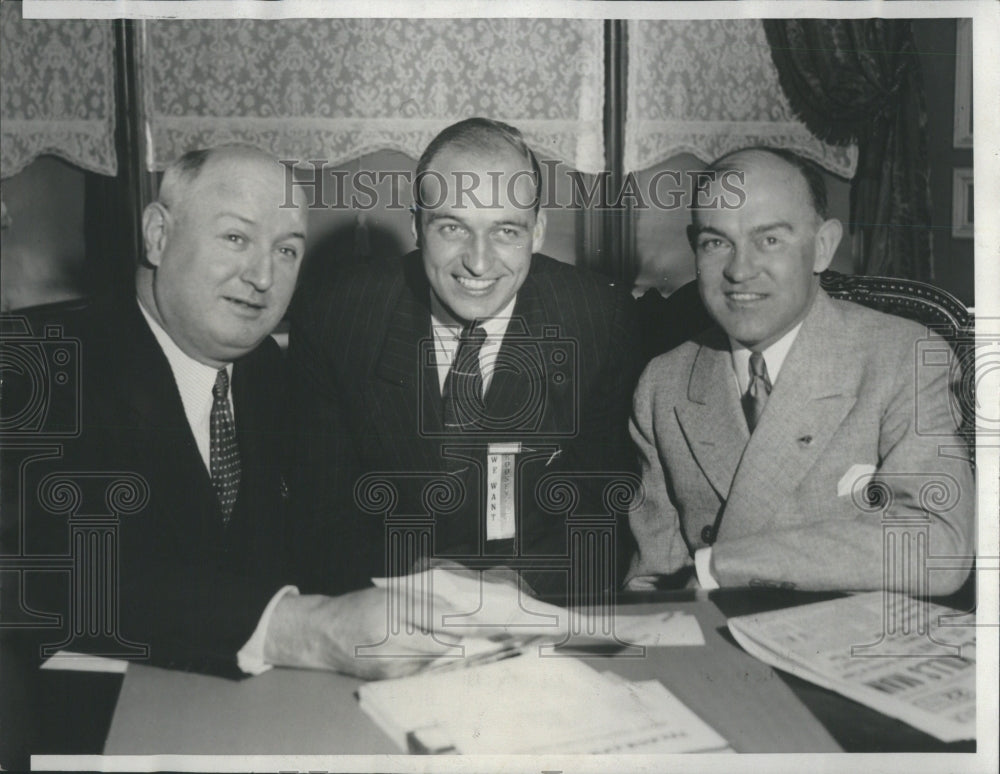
(741,265)
(259,269)
(478,257)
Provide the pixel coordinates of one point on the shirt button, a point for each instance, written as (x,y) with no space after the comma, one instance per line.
(708,534)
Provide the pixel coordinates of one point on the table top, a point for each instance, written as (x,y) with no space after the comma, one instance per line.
(287,711)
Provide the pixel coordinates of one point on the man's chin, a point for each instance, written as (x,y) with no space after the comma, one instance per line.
(239,343)
(467,311)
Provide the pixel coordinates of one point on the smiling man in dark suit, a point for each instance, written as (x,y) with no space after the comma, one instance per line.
(466,377)
(183,388)
(800,441)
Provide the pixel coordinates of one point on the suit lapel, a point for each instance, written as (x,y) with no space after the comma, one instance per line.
(405,400)
(152,404)
(815,390)
(712,419)
(520,368)
(254,435)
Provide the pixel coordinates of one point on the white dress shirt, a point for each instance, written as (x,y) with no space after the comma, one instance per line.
(194,383)
(447,332)
(774,358)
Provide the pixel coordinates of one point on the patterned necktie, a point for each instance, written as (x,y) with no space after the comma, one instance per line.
(463,387)
(756,395)
(224,454)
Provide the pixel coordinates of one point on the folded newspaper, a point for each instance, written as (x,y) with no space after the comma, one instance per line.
(534,704)
(907,658)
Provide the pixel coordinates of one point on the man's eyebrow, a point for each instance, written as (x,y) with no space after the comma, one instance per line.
(513,222)
(435,214)
(236,216)
(699,230)
(779,224)
(295,235)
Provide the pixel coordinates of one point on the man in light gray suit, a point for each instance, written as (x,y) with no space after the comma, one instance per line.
(801,442)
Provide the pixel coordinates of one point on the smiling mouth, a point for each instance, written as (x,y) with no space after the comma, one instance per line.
(248,306)
(474,285)
(744,297)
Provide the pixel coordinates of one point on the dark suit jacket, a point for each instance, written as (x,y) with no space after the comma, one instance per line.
(369,404)
(188,587)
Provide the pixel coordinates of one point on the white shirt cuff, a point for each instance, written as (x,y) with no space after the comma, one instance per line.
(250,659)
(702,558)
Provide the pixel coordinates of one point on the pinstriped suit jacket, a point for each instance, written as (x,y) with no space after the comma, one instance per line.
(368,401)
(858,388)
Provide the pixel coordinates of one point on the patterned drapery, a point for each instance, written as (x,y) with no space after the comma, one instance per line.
(57,92)
(707,87)
(859,80)
(335,89)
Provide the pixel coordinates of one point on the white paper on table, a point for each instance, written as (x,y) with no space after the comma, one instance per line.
(503,608)
(81,662)
(536,705)
(669,628)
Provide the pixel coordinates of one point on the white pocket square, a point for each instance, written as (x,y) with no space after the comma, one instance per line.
(857,476)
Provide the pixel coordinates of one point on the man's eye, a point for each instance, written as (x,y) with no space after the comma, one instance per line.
(710,244)
(770,241)
(289,252)
(236,239)
(451,230)
(509,234)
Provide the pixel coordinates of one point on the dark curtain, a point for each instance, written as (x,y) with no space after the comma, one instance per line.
(859,80)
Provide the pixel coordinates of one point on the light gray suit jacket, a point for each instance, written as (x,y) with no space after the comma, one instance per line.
(859,391)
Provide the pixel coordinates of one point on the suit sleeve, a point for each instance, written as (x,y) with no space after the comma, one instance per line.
(195,617)
(923,486)
(654,520)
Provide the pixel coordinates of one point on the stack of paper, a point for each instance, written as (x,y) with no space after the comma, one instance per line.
(472,608)
(533,704)
(907,658)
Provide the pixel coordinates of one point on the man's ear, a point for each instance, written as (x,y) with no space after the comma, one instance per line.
(827,239)
(415,225)
(538,232)
(155,223)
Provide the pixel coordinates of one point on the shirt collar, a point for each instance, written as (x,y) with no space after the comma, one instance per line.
(194,380)
(495,327)
(774,358)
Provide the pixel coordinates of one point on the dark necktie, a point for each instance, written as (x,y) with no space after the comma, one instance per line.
(224,454)
(463,387)
(756,395)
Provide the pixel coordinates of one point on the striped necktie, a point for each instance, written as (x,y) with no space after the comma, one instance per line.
(463,387)
(756,395)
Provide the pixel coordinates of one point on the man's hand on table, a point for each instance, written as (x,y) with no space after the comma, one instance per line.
(320,632)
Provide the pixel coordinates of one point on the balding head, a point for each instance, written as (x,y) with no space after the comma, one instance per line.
(222,253)
(477,220)
(759,264)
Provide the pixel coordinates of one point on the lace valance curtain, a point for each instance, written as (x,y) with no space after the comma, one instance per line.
(706,87)
(335,89)
(57,92)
